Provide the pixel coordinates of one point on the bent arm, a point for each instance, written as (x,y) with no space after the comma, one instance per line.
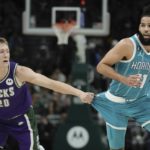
(123,50)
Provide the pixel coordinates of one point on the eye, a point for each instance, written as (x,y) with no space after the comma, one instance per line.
(7,51)
(1,51)
(142,25)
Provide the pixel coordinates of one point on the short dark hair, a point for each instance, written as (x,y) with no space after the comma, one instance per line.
(146,11)
(3,40)
(143,11)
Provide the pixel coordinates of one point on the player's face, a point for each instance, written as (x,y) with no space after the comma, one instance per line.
(4,54)
(144,30)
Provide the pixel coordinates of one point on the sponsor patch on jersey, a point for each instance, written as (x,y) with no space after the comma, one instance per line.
(9,81)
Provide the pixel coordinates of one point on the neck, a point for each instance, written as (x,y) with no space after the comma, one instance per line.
(3,72)
(147,48)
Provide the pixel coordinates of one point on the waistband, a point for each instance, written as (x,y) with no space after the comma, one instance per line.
(114,98)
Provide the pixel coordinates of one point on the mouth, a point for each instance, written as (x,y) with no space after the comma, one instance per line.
(146,36)
(5,61)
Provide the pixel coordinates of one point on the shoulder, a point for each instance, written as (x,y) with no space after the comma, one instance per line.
(22,70)
(24,73)
(123,49)
(125,43)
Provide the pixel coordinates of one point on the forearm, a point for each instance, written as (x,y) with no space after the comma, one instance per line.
(54,85)
(65,88)
(109,72)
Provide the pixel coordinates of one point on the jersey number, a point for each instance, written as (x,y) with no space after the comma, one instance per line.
(4,103)
(144,77)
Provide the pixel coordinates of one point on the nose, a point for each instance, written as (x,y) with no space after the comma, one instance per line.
(146,29)
(6,54)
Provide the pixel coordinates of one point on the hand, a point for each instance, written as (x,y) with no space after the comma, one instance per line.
(133,80)
(87,97)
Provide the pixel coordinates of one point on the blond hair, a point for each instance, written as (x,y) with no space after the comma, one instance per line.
(3,41)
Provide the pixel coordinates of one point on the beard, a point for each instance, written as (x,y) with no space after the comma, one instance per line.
(144,41)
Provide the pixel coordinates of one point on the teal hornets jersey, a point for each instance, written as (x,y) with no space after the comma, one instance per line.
(138,64)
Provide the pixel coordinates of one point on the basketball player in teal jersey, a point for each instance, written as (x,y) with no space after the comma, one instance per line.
(127,96)
(16,113)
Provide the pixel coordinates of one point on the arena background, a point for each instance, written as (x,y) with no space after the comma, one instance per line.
(62,120)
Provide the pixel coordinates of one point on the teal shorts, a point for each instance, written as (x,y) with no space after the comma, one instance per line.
(116,112)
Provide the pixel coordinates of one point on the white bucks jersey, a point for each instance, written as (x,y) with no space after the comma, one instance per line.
(138,64)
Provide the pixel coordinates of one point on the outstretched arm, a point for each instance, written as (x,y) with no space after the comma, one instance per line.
(25,74)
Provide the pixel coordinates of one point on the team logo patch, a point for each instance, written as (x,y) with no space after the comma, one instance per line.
(78,137)
(9,81)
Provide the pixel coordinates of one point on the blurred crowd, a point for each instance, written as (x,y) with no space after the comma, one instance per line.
(43,54)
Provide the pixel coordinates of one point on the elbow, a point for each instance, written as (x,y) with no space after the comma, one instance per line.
(99,68)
